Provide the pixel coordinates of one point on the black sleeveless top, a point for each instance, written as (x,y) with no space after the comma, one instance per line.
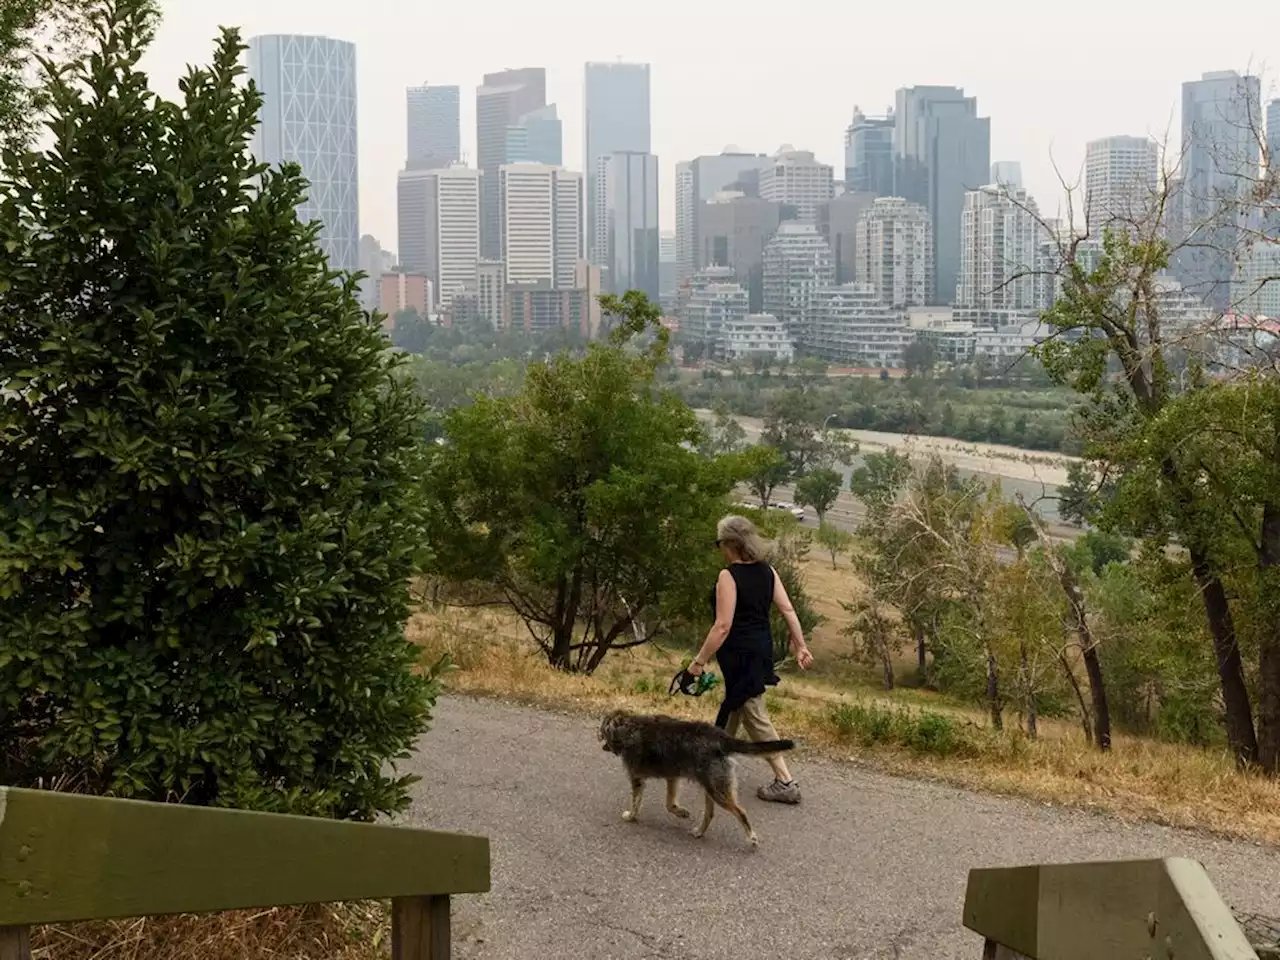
(755,598)
(746,657)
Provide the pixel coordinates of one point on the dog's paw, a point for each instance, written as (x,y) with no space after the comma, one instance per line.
(755,842)
(680,812)
(628,816)
(699,833)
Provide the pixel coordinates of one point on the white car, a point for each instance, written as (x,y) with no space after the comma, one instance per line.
(791,508)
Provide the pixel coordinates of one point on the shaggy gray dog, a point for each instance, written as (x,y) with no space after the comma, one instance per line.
(664,748)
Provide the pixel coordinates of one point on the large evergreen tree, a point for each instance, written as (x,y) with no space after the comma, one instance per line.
(209,464)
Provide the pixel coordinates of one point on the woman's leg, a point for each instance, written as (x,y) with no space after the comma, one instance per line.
(755,718)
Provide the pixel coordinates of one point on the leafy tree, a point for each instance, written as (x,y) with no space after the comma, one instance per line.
(819,489)
(209,465)
(790,550)
(579,502)
(694,351)
(874,635)
(834,540)
(764,469)
(918,358)
(1108,313)
(881,478)
(725,434)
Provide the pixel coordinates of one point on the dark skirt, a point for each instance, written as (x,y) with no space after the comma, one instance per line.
(747,665)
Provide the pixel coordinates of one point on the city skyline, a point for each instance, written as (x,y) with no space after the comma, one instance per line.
(1046,117)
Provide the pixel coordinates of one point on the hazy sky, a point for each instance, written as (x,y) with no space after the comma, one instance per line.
(758,74)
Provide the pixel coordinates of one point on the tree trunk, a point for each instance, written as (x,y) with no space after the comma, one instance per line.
(887,657)
(1098,690)
(1028,695)
(1086,719)
(993,691)
(917,630)
(1235,694)
(1269,643)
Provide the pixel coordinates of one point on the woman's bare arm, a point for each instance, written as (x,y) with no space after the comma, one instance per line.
(726,603)
(788,611)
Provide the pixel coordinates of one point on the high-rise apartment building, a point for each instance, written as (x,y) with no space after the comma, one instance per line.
(541,224)
(1000,250)
(895,252)
(1121,175)
(697,182)
(868,154)
(501,102)
(308,117)
(1255,289)
(1273,133)
(616,120)
(439,227)
(942,150)
(797,265)
(733,230)
(796,178)
(1221,116)
(631,218)
(433,126)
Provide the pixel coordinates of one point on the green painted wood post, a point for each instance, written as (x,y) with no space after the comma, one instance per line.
(419,928)
(15,943)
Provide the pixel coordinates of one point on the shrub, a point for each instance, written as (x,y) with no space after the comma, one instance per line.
(923,732)
(209,466)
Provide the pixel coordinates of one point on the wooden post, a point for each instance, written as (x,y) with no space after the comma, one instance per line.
(15,943)
(419,928)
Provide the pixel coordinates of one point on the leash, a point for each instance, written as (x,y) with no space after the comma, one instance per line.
(690,685)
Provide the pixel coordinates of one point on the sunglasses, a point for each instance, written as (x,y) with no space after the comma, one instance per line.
(719,543)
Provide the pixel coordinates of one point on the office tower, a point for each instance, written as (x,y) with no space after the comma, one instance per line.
(667,266)
(308,117)
(715,301)
(501,102)
(796,178)
(895,252)
(1007,173)
(1221,117)
(1121,175)
(541,224)
(838,223)
(868,154)
(631,218)
(697,182)
(733,231)
(1001,236)
(942,149)
(616,120)
(439,227)
(434,126)
(536,137)
(797,265)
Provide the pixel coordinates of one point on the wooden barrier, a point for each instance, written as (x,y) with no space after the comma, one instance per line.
(1128,910)
(65,857)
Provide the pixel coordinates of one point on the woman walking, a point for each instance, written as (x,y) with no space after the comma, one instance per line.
(741,642)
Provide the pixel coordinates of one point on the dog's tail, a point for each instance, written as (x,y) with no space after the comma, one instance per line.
(734,745)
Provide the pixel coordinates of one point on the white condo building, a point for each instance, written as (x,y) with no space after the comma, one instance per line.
(756,335)
(308,117)
(855,327)
(797,265)
(999,250)
(1121,175)
(541,220)
(714,301)
(439,227)
(796,178)
(895,252)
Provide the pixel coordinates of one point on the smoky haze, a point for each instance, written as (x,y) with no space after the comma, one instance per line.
(758,74)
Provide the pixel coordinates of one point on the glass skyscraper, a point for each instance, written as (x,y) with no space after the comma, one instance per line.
(308,117)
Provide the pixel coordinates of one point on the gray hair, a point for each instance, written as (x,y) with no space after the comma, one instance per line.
(741,535)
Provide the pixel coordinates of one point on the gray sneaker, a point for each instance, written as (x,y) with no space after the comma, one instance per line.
(779,792)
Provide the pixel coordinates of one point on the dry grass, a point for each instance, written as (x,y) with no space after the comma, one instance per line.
(343,931)
(1139,779)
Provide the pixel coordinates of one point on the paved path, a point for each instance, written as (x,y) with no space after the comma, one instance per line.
(870,866)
